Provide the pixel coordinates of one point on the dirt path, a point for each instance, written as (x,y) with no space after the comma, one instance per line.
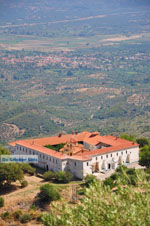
(22,198)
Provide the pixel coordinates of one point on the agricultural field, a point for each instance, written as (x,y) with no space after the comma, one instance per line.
(74,67)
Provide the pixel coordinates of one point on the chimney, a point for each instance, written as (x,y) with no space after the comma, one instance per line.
(60,134)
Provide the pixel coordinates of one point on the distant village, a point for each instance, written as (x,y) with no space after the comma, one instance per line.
(70,61)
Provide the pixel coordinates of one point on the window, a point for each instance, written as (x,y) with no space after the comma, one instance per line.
(50,159)
(56,161)
(101,157)
(43,156)
(29,151)
(111,155)
(126,152)
(117,153)
(47,158)
(106,156)
(75,163)
(96,158)
(87,163)
(122,153)
(53,160)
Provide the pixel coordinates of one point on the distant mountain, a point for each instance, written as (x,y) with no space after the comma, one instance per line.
(42,10)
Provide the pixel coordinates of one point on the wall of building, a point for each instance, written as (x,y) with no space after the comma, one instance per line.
(81,168)
(111,160)
(12,149)
(89,146)
(87,168)
(44,161)
(76,168)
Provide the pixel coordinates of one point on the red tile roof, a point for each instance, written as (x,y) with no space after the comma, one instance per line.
(109,149)
(116,144)
(42,149)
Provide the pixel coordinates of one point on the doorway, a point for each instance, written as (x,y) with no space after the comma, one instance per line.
(109,166)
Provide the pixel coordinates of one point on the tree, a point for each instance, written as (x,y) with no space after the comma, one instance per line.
(48,193)
(10,172)
(4,151)
(143,141)
(103,204)
(27,168)
(145,156)
(128,137)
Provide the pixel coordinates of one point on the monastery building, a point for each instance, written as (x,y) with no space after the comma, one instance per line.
(80,153)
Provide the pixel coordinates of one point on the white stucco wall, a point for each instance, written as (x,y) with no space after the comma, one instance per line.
(44,160)
(76,168)
(81,168)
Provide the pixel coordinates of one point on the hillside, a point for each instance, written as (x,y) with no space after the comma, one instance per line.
(81,65)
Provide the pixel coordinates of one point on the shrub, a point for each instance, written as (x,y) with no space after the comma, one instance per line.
(131,171)
(5,215)
(33,207)
(133,180)
(89,179)
(24,183)
(122,176)
(114,176)
(49,175)
(63,177)
(28,169)
(25,218)
(81,191)
(1,202)
(104,207)
(120,169)
(17,214)
(48,193)
(36,214)
(148,177)
(109,182)
(147,171)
